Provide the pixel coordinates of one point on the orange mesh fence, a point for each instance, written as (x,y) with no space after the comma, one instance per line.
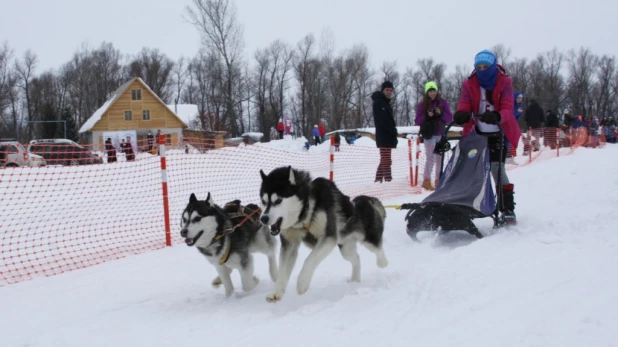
(71,214)
(539,144)
(65,206)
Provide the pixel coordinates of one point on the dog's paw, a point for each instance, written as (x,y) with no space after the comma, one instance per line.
(274,297)
(250,286)
(302,285)
(382,262)
(217,282)
(354,280)
(229,293)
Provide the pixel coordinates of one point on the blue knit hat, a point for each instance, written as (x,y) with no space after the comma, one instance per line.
(485,57)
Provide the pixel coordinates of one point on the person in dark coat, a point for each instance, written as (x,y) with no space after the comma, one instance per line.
(337,142)
(150,140)
(130,154)
(111,151)
(535,120)
(386,130)
(552,125)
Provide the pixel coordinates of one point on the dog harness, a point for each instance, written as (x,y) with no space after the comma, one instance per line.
(247,215)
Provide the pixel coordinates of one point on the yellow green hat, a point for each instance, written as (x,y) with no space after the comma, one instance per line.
(431,85)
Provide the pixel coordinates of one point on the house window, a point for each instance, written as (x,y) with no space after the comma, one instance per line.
(145,115)
(136,94)
(128,115)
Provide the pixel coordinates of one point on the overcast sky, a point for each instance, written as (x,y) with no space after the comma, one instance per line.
(451,31)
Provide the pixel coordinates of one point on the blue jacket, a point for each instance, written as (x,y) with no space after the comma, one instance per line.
(316,132)
(517,106)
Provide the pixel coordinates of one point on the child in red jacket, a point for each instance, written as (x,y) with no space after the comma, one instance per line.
(488,93)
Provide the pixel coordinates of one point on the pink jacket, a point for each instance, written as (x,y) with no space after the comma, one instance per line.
(470,101)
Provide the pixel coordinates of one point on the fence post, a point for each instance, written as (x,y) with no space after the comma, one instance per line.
(417,143)
(558,131)
(166,205)
(411,163)
(332,157)
(531,140)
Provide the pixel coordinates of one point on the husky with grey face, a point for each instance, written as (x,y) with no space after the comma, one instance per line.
(209,227)
(315,212)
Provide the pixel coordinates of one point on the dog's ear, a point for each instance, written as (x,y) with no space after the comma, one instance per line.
(263,175)
(192,198)
(292,178)
(209,200)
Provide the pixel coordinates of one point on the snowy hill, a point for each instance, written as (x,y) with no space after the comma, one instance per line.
(550,281)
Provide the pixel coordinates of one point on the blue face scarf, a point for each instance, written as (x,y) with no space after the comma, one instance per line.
(488,77)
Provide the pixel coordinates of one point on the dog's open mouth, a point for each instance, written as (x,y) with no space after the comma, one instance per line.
(191,241)
(275,229)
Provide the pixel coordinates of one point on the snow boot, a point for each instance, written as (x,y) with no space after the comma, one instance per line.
(508,204)
(427,185)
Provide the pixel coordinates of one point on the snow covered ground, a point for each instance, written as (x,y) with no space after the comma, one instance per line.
(550,281)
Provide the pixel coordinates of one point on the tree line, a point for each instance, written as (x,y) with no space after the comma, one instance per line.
(306,82)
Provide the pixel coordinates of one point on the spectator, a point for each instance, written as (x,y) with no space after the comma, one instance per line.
(129,150)
(111,151)
(150,140)
(337,141)
(535,120)
(322,130)
(280,128)
(432,114)
(552,126)
(518,111)
(317,139)
(386,130)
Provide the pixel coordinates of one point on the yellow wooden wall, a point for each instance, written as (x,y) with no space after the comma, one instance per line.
(160,116)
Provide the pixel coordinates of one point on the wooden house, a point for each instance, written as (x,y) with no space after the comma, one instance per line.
(133,109)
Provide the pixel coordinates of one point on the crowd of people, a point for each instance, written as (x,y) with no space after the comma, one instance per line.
(487,99)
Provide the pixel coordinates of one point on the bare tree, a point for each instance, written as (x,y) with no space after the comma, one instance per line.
(451,90)
(179,76)
(582,67)
(603,94)
(518,71)
(7,83)
(222,34)
(554,82)
(302,69)
(502,54)
(360,88)
(25,71)
(155,68)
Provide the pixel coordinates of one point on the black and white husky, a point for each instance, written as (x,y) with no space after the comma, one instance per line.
(209,227)
(316,213)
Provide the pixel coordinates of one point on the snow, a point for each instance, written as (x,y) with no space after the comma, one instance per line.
(550,281)
(96,116)
(414,129)
(253,135)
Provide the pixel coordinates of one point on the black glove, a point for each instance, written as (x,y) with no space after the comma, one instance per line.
(461,117)
(491,117)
